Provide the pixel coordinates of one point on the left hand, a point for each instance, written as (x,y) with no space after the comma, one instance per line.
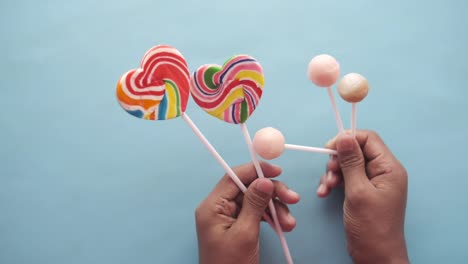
(228,222)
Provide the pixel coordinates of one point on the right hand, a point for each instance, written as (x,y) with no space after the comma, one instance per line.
(375,197)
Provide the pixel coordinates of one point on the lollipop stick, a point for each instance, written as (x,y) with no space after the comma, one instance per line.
(221,161)
(335,109)
(260,174)
(353,119)
(310,149)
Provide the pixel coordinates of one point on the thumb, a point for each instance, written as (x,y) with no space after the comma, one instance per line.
(256,199)
(352,162)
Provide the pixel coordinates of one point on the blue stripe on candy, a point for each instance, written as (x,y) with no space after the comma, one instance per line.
(136,113)
(251,99)
(222,76)
(241,61)
(162,108)
(232,114)
(196,83)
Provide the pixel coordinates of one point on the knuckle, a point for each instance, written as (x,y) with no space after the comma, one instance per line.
(254,200)
(198,212)
(223,206)
(201,213)
(373,134)
(351,161)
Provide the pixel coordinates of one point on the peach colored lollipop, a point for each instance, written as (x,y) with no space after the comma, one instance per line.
(324,71)
(269,144)
(353,88)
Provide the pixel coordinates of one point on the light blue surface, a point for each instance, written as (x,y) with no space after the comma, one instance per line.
(81,181)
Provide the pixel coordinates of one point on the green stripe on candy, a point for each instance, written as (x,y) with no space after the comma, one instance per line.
(244,111)
(208,77)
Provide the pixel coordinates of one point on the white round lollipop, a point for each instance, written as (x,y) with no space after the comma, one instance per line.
(353,88)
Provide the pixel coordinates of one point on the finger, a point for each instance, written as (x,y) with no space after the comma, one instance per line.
(228,189)
(333,179)
(285,194)
(380,159)
(255,202)
(333,164)
(282,192)
(323,190)
(285,218)
(352,164)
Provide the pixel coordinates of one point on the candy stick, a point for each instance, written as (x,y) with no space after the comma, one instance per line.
(310,149)
(221,161)
(353,88)
(269,144)
(353,118)
(339,122)
(324,70)
(284,243)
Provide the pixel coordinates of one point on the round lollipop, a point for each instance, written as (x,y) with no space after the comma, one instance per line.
(324,71)
(353,88)
(269,144)
(231,93)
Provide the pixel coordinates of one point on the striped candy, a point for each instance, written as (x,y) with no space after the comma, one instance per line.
(230,92)
(159,89)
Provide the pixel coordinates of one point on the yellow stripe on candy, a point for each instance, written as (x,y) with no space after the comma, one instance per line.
(252,75)
(236,94)
(172,106)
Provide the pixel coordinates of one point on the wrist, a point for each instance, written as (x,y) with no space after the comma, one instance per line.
(386,253)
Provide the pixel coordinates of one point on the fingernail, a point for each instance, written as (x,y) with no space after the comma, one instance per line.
(292,193)
(276,167)
(345,144)
(321,189)
(264,186)
(329,176)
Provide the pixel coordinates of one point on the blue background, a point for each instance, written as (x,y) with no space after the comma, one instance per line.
(81,181)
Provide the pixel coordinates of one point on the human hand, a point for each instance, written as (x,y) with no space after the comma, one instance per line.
(228,221)
(375,197)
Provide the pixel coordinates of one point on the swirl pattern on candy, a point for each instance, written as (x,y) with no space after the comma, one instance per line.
(230,92)
(159,89)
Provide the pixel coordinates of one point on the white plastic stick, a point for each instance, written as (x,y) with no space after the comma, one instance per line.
(221,161)
(311,149)
(335,109)
(279,231)
(353,118)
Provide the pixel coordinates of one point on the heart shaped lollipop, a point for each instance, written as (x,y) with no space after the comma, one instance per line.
(159,89)
(230,92)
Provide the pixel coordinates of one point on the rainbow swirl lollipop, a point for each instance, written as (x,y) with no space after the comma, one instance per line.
(159,89)
(230,92)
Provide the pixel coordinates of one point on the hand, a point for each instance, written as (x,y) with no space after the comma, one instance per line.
(375,197)
(228,222)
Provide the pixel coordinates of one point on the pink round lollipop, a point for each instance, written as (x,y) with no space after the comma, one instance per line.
(323,70)
(269,143)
